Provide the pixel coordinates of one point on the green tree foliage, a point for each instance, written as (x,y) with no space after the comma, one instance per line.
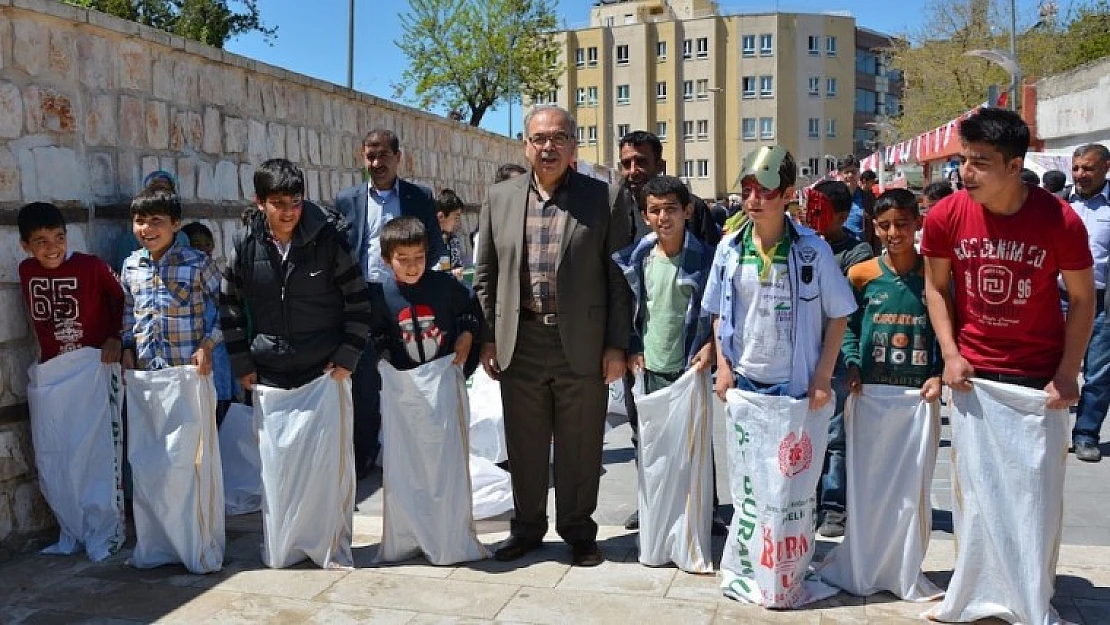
(941,83)
(212,22)
(468,55)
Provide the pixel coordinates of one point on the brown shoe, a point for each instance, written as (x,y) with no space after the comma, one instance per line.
(586,554)
(515,547)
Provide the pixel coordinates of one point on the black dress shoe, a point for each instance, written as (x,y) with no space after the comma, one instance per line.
(515,547)
(586,554)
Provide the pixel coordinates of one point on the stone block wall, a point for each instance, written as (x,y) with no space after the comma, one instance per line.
(89,104)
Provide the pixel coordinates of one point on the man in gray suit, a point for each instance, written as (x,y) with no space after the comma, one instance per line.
(557,320)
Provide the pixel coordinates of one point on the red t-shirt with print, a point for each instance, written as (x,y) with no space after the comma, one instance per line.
(1004,276)
(79,304)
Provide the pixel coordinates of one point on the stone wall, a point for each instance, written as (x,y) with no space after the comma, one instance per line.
(1071,107)
(89,104)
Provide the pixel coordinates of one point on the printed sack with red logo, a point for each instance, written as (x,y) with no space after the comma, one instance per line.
(775,449)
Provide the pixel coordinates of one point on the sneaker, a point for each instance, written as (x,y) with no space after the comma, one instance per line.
(1087,452)
(633,522)
(833,525)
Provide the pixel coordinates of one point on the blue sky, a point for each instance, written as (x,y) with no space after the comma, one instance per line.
(312,37)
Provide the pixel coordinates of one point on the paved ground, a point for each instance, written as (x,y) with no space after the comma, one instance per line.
(541,589)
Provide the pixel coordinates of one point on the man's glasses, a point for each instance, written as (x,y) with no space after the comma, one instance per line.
(763,193)
(558,139)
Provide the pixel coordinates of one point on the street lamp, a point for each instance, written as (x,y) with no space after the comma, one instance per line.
(880,127)
(351,44)
(512,83)
(1007,61)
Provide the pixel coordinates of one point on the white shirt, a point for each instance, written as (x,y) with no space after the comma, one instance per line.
(1095,213)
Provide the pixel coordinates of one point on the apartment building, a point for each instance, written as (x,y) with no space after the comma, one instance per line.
(879,89)
(713,87)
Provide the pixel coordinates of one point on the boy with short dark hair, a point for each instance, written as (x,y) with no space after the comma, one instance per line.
(847,247)
(449,208)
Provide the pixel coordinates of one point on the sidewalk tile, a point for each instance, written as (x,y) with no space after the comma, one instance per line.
(882,605)
(693,587)
(292,583)
(36,616)
(436,619)
(732,612)
(254,609)
(543,568)
(619,577)
(342,614)
(1093,612)
(557,607)
(367,587)
(95,597)
(419,567)
(201,608)
(1091,584)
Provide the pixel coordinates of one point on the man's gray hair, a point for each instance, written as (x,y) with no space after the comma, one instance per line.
(572,125)
(1092,148)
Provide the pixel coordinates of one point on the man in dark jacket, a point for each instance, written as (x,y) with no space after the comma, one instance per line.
(309,305)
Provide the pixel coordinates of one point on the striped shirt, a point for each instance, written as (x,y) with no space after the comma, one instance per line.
(164,306)
(544,223)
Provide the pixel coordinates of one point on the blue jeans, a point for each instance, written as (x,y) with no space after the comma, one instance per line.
(745,384)
(1094,399)
(833,487)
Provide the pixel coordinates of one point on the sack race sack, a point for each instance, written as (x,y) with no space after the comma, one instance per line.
(675,472)
(75,404)
(892,436)
(492,488)
(775,449)
(1008,454)
(487,419)
(426,490)
(175,469)
(616,404)
(242,466)
(308,472)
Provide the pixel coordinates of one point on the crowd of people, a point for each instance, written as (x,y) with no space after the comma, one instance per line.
(576,284)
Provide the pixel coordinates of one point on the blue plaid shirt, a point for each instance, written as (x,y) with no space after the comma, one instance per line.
(164,316)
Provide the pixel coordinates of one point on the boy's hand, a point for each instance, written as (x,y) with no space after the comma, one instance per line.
(635,363)
(248,381)
(820,392)
(462,348)
(702,359)
(202,358)
(613,364)
(930,391)
(337,373)
(488,356)
(855,380)
(724,382)
(1062,392)
(958,373)
(110,351)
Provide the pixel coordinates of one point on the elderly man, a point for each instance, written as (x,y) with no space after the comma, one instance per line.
(1090,198)
(557,323)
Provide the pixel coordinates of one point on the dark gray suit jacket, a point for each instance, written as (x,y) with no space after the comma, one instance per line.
(592,296)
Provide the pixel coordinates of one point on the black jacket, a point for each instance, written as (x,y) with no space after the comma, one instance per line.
(700,224)
(307,310)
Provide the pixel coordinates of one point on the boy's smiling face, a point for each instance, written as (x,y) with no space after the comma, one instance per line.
(155,232)
(408,262)
(667,217)
(895,228)
(47,245)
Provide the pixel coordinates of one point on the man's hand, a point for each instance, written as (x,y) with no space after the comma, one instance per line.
(488,356)
(702,359)
(958,373)
(1063,391)
(127,360)
(202,358)
(110,351)
(337,373)
(635,363)
(930,391)
(462,347)
(248,381)
(820,392)
(612,364)
(855,380)
(724,382)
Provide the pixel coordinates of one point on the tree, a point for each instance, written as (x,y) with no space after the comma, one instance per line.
(1089,33)
(211,22)
(471,54)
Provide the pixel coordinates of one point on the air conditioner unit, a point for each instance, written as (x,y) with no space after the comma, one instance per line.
(805,170)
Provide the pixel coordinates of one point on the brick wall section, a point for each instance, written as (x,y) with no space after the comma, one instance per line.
(90,103)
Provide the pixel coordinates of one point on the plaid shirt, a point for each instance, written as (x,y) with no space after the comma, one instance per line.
(164,310)
(543,235)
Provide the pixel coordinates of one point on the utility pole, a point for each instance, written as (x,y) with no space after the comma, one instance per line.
(351,44)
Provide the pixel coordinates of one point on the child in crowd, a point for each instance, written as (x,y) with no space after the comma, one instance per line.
(200,238)
(418,316)
(128,242)
(449,208)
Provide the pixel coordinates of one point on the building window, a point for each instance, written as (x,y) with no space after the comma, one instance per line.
(622,94)
(580,96)
(591,56)
(622,54)
(623,129)
(703,89)
(813,168)
(766,47)
(748,46)
(703,129)
(815,85)
(661,130)
(661,50)
(660,91)
(553,59)
(814,127)
(687,169)
(748,83)
(830,128)
(766,127)
(687,48)
(814,45)
(703,47)
(552,96)
(591,133)
(703,168)
(830,87)
(579,57)
(609,22)
(830,46)
(687,90)
(766,86)
(581,132)
(629,18)
(747,127)
(591,96)
(688,131)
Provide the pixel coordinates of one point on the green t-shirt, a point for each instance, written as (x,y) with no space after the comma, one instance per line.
(889,336)
(667,302)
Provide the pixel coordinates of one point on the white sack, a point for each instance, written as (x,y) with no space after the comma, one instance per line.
(175,469)
(1008,453)
(76,429)
(487,419)
(308,472)
(616,399)
(892,435)
(426,491)
(492,488)
(776,446)
(242,466)
(675,472)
